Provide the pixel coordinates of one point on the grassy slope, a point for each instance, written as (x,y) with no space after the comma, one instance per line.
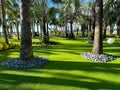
(66,69)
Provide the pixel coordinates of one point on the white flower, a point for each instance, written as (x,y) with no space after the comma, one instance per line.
(110,41)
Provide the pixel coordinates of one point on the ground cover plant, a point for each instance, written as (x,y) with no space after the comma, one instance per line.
(66,69)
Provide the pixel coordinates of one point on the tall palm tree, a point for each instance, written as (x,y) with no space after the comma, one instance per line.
(0,22)
(70,12)
(13,14)
(98,44)
(41,9)
(26,38)
(45,37)
(4,21)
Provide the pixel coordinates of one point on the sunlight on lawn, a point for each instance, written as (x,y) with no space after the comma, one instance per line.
(66,69)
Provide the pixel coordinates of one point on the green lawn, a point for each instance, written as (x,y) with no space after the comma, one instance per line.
(66,69)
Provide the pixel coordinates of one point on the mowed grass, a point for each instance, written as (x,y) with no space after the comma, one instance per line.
(66,69)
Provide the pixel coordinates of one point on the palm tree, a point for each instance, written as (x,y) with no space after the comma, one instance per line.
(117,10)
(41,9)
(70,12)
(45,37)
(51,17)
(4,21)
(16,14)
(0,22)
(26,38)
(13,14)
(98,44)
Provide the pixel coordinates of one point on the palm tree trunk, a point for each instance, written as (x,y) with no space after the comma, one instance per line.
(118,27)
(111,30)
(47,29)
(26,36)
(71,30)
(17,29)
(98,44)
(83,29)
(33,29)
(45,37)
(11,31)
(105,28)
(71,27)
(44,27)
(4,21)
(41,29)
(66,30)
(118,30)
(37,28)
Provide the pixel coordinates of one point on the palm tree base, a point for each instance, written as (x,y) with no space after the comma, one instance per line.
(98,57)
(17,63)
(45,39)
(71,36)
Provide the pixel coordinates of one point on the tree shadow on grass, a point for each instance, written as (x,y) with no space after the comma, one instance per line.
(84,66)
(6,54)
(12,79)
(66,48)
(71,80)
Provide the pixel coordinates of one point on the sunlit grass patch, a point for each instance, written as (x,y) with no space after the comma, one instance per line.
(66,69)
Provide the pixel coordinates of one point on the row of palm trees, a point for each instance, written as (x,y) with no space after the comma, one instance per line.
(37,12)
(69,11)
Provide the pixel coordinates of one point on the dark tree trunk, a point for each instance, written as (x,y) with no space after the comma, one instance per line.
(7,31)
(33,29)
(118,27)
(105,28)
(41,29)
(45,38)
(118,30)
(47,30)
(98,44)
(11,31)
(66,31)
(0,27)
(9,34)
(26,52)
(87,29)
(93,30)
(93,21)
(83,30)
(71,31)
(111,30)
(4,21)
(37,27)
(90,24)
(90,31)
(77,31)
(17,29)
(44,27)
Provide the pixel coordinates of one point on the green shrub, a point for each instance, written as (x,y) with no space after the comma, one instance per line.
(45,39)
(4,46)
(13,46)
(71,36)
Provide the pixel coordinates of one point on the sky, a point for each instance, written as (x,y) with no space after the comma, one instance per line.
(51,4)
(87,0)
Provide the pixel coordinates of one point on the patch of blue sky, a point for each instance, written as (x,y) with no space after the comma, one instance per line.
(83,1)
